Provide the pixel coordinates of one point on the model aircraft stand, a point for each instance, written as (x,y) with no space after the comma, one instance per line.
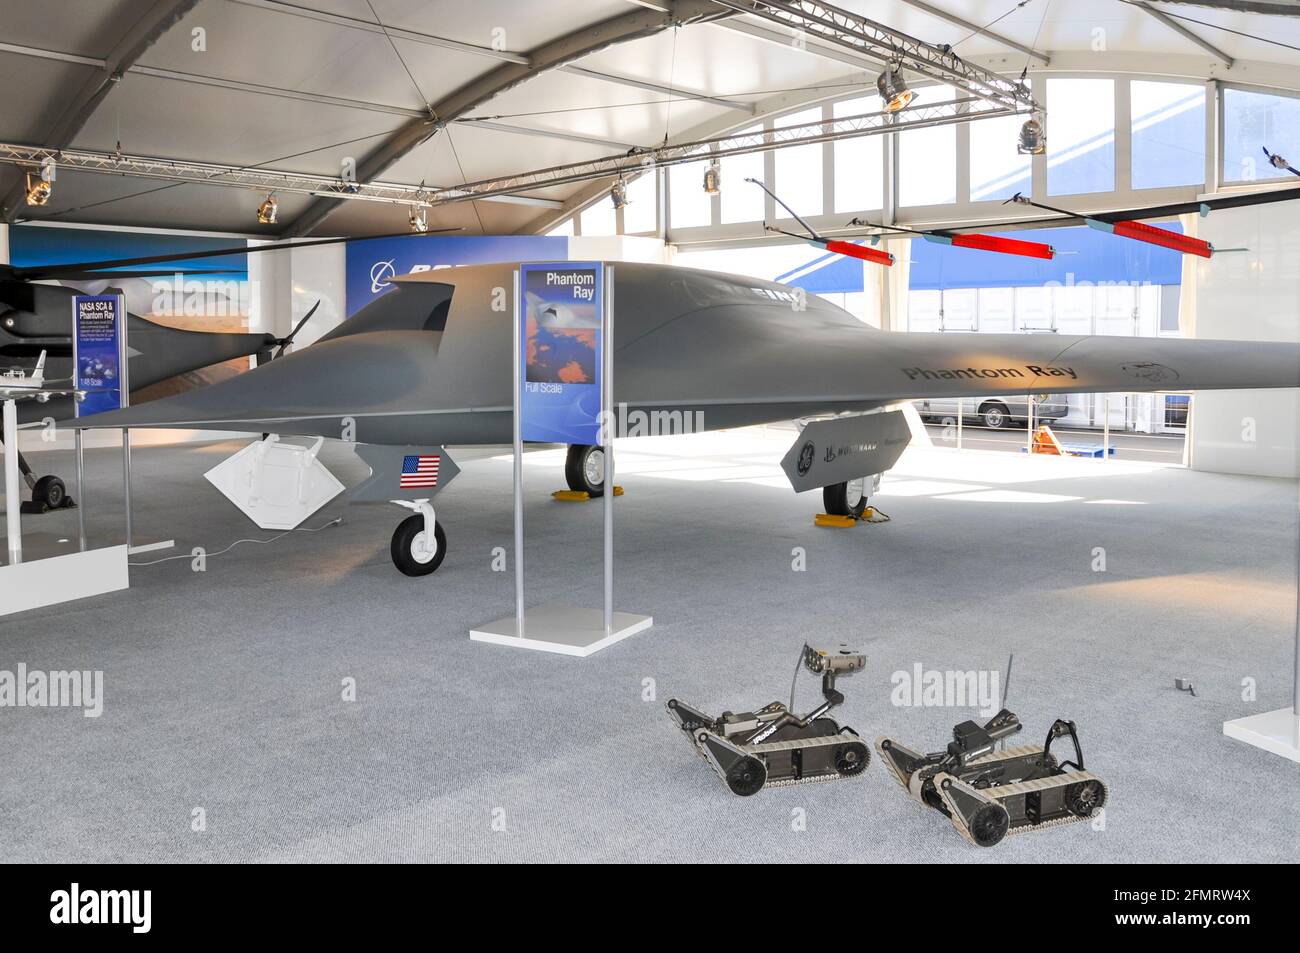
(51,580)
(556,627)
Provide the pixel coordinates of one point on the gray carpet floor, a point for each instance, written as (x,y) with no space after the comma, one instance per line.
(223,688)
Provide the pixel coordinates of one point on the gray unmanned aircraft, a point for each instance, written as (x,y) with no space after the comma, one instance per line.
(430,364)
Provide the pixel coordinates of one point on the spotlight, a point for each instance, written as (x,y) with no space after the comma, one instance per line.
(38,190)
(713,178)
(419,220)
(267,211)
(618,194)
(893,88)
(1032,141)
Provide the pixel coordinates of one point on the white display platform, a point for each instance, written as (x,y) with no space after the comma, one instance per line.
(58,579)
(563,629)
(1274,731)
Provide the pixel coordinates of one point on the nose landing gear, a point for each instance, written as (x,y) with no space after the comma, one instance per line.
(419,544)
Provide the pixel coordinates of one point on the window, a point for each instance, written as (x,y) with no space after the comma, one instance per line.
(927,158)
(799,169)
(565,228)
(997,170)
(1253,122)
(690,205)
(599,218)
(859,163)
(640,213)
(1080,136)
(1168,134)
(743,201)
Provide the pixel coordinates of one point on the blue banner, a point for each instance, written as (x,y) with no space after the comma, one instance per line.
(371,264)
(560,333)
(98,352)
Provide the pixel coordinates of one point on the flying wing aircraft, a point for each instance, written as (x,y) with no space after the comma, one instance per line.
(429,365)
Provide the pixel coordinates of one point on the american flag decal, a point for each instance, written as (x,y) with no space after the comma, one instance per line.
(419,471)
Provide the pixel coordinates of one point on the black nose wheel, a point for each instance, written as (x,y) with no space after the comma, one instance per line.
(584,469)
(413,553)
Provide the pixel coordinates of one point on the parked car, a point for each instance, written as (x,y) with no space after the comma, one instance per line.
(996,413)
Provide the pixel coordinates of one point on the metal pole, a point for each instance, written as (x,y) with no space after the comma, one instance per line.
(1105,427)
(126,482)
(607,403)
(81,490)
(1029,424)
(13,486)
(1295,686)
(516,383)
(961,415)
(124,370)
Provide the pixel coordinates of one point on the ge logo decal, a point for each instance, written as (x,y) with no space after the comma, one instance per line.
(806,458)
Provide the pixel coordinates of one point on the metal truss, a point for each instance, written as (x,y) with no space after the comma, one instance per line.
(877,41)
(634,161)
(205,173)
(762,140)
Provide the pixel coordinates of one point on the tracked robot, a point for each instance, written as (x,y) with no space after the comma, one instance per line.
(774,746)
(988,794)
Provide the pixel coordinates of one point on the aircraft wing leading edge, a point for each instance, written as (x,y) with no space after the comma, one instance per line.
(396,387)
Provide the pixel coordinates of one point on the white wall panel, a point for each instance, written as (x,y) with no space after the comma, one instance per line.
(1249,296)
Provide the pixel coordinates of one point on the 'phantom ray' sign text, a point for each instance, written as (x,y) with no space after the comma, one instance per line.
(561,336)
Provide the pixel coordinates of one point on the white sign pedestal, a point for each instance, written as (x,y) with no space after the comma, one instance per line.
(555,627)
(1275,731)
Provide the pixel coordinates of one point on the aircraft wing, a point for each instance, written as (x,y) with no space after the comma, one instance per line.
(400,387)
(952,364)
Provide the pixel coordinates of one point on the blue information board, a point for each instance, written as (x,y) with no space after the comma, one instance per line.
(560,335)
(99,352)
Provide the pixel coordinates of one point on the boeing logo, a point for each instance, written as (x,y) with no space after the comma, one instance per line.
(380,272)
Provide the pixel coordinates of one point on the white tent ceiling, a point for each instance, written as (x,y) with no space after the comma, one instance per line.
(302,86)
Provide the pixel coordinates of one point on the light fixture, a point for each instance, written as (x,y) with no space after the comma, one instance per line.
(38,190)
(1032,141)
(618,194)
(893,88)
(713,177)
(419,220)
(267,211)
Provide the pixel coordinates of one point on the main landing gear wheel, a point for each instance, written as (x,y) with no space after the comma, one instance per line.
(846,499)
(747,776)
(584,469)
(50,492)
(411,553)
